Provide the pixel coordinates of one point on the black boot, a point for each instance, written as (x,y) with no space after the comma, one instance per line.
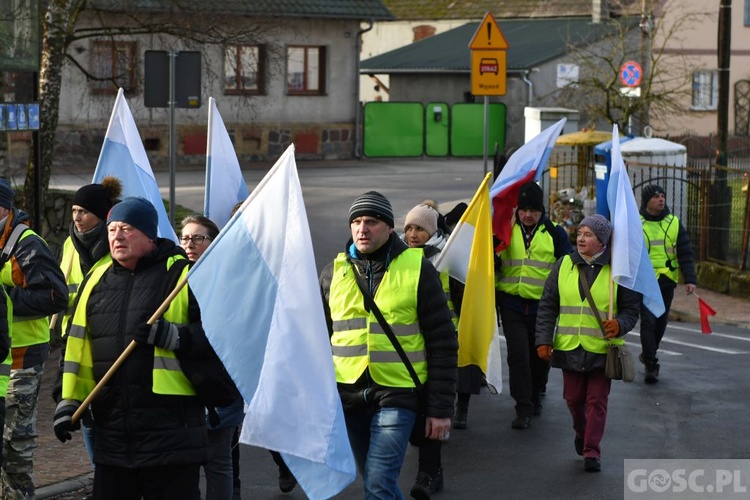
(462,415)
(536,399)
(652,369)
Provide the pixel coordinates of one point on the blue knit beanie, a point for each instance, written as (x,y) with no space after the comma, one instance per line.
(6,194)
(138,212)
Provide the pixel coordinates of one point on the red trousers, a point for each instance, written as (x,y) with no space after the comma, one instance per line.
(586,394)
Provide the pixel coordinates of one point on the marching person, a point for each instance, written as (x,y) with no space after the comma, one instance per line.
(86,246)
(536,243)
(197,234)
(569,334)
(377,392)
(422,230)
(671,253)
(37,289)
(150,428)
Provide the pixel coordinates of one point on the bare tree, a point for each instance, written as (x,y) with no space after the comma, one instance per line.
(193,22)
(650,41)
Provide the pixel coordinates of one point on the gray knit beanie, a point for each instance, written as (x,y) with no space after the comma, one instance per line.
(599,225)
(372,204)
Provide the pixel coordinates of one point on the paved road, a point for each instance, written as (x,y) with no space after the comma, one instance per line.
(697,410)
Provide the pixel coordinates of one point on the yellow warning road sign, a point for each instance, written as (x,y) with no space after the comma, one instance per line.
(488,36)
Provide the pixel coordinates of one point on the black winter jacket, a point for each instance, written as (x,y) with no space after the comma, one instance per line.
(435,323)
(135,427)
(628,308)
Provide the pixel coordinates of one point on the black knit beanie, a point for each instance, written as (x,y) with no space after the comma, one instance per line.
(649,192)
(372,204)
(95,198)
(531,196)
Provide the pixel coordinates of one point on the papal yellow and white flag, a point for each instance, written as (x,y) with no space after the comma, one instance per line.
(468,257)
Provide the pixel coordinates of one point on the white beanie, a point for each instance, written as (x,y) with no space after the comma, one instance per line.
(423,216)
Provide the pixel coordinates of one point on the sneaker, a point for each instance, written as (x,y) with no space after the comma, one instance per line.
(425,484)
(592,464)
(579,446)
(287,481)
(521,422)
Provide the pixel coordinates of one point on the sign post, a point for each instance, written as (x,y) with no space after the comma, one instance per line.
(488,67)
(631,75)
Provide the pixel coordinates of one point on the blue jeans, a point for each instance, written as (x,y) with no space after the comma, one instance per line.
(379,437)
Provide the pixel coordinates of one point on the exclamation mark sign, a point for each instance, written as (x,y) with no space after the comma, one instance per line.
(489,33)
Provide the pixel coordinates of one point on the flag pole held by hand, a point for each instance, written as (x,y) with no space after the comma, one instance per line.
(128,350)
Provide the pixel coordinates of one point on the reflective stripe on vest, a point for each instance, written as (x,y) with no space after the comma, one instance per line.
(27,330)
(78,369)
(577,324)
(661,238)
(523,272)
(358,341)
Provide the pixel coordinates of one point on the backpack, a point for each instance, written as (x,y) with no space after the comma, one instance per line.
(207,374)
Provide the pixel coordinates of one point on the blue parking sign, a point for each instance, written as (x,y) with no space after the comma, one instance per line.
(21,117)
(34,116)
(10,110)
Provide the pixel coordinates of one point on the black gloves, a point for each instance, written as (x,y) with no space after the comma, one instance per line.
(63,419)
(161,334)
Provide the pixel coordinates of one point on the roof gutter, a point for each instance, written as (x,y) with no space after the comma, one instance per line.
(357,105)
(525,78)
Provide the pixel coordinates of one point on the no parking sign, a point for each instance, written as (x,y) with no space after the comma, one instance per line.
(631,74)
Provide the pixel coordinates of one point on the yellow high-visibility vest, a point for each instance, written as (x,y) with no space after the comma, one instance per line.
(577,324)
(358,341)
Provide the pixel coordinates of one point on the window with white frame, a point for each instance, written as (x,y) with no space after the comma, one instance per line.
(705,90)
(113,63)
(243,69)
(305,69)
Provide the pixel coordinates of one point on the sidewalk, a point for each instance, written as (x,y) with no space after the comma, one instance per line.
(64,468)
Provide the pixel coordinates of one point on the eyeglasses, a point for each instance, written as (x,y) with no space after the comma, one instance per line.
(197,239)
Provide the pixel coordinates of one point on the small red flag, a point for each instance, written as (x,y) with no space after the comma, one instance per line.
(706,311)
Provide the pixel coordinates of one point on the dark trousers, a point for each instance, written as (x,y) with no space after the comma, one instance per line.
(587,394)
(653,328)
(430,456)
(527,372)
(162,482)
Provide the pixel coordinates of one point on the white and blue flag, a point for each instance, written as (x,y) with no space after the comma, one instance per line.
(262,311)
(225,186)
(631,265)
(124,157)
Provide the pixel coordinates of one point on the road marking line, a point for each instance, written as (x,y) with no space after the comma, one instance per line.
(722,335)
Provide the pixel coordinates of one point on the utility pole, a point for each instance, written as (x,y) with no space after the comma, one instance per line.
(722,196)
(646,26)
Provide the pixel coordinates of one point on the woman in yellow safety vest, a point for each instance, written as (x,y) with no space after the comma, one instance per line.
(569,334)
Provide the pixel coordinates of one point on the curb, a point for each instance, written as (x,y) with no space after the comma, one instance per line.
(67,486)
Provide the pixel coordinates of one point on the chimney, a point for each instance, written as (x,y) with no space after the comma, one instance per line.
(599,10)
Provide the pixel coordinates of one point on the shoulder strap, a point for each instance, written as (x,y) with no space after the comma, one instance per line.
(370,302)
(587,291)
(10,243)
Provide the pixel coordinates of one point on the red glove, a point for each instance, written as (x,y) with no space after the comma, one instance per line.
(544,352)
(611,328)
